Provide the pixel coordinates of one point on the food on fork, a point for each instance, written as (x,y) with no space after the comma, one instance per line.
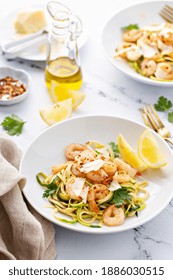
(30,21)
(95,185)
(149,50)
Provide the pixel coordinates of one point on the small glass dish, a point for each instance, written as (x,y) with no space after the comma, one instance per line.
(20,75)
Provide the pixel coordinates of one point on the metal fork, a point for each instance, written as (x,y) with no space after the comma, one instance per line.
(152,120)
(167,13)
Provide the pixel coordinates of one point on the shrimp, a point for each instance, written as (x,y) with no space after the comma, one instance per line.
(96,192)
(96,176)
(148,67)
(123,166)
(73,150)
(70,191)
(134,54)
(121,177)
(163,70)
(132,35)
(113,216)
(123,48)
(75,169)
(85,156)
(165,47)
(59,167)
(110,168)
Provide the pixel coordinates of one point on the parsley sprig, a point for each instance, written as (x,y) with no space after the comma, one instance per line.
(164,105)
(121,196)
(130,27)
(114,148)
(13,125)
(51,188)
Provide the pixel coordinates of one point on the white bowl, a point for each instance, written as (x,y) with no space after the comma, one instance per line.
(20,75)
(48,150)
(143,14)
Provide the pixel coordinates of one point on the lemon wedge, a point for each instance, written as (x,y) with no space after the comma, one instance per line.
(129,155)
(59,93)
(149,151)
(57,112)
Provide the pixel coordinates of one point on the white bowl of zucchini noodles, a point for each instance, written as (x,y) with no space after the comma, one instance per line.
(77,179)
(139,43)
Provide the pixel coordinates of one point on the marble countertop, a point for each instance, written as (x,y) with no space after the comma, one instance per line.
(108,92)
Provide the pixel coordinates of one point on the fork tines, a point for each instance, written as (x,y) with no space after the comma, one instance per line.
(167,13)
(151,118)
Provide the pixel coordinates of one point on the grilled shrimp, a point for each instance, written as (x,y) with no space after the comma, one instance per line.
(110,168)
(121,177)
(123,48)
(163,70)
(134,54)
(132,35)
(113,216)
(73,150)
(148,67)
(96,176)
(85,156)
(75,169)
(96,192)
(123,166)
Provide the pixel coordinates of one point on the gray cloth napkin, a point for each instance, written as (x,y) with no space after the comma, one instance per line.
(24,234)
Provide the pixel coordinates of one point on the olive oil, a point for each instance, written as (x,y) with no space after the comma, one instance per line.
(65,71)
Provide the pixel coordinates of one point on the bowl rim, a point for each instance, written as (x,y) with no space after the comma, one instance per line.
(130,74)
(23,95)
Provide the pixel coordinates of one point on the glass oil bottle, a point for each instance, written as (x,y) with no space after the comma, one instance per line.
(62,65)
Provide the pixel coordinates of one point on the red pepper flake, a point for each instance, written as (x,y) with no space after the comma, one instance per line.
(10,88)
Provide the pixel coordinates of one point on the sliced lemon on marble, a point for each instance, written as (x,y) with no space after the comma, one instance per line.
(57,112)
(129,155)
(149,151)
(59,93)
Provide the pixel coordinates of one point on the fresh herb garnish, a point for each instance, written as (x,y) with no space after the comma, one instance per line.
(114,148)
(121,196)
(163,104)
(170,117)
(13,125)
(130,27)
(51,188)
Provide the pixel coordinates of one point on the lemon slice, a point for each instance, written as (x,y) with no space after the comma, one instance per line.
(149,151)
(58,112)
(129,155)
(59,93)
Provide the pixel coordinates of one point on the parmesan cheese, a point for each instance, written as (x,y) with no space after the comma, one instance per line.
(92,166)
(31,21)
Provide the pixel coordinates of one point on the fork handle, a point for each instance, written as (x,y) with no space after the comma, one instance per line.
(169,140)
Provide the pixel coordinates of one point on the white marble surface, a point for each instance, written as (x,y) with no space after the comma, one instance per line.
(108,92)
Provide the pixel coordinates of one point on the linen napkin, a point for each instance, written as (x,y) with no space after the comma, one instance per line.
(24,234)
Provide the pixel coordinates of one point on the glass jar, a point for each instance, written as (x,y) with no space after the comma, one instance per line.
(62,64)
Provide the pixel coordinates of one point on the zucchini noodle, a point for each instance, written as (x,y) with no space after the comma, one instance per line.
(78,197)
